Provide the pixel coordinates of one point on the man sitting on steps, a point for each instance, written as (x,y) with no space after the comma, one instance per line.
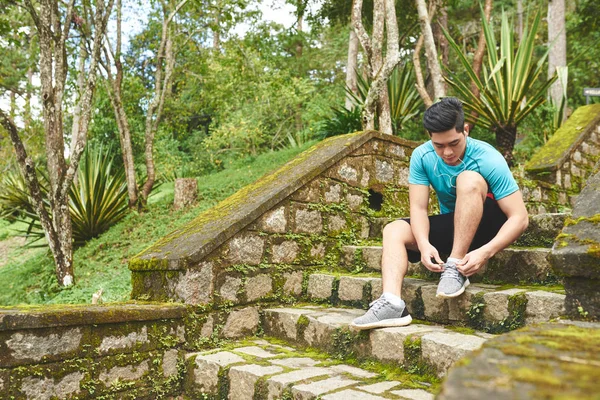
(482,212)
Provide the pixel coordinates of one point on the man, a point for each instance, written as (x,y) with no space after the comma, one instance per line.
(482,212)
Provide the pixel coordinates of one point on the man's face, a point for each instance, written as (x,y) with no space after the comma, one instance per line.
(450,145)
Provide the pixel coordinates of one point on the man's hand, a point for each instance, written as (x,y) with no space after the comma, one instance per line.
(429,252)
(472,262)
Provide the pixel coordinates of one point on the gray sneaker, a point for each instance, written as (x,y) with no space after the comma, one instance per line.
(452,283)
(382,314)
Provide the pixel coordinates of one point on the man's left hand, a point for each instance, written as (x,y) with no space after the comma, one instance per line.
(472,262)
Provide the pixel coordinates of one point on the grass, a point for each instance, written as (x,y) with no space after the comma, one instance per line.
(102,262)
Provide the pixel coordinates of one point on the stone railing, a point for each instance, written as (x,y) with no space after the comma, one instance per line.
(58,352)
(258,244)
(558,171)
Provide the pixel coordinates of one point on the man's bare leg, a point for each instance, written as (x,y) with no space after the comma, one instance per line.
(471,190)
(397,236)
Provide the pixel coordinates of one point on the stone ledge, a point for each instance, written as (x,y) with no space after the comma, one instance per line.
(197,239)
(33,317)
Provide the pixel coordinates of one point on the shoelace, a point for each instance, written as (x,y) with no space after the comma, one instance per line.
(450,271)
(377,304)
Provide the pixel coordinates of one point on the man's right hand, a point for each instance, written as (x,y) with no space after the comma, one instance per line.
(431,258)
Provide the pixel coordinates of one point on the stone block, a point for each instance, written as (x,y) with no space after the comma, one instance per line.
(258,286)
(131,372)
(317,251)
(443,349)
(295,362)
(402,174)
(307,221)
(376,288)
(543,228)
(336,223)
(333,193)
(40,345)
(320,286)
(255,351)
(355,201)
(436,308)
(169,363)
(543,306)
(243,378)
(246,249)
(411,294)
(497,304)
(350,394)
(377,225)
(205,370)
(387,344)
(193,286)
(278,383)
(292,285)
(516,265)
(285,252)
(274,221)
(309,193)
(310,391)
(122,338)
(352,288)
(346,171)
(384,171)
(367,256)
(229,289)
(362,226)
(323,325)
(282,322)
(241,323)
(355,372)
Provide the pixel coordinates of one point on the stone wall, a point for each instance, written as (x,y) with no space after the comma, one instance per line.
(259,244)
(558,171)
(118,351)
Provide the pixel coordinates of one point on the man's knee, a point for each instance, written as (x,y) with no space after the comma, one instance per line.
(398,230)
(470,183)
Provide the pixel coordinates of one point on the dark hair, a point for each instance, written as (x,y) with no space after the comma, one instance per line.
(444,115)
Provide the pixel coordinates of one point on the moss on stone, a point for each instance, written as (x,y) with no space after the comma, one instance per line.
(559,145)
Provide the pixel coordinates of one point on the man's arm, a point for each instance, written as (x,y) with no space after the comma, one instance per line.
(419,224)
(517,220)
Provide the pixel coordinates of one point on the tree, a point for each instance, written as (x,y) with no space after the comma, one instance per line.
(557,40)
(384,14)
(53,21)
(433,64)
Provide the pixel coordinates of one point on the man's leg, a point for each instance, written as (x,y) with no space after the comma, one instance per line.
(390,310)
(397,236)
(471,192)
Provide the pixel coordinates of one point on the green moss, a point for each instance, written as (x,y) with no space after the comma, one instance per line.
(301,325)
(580,122)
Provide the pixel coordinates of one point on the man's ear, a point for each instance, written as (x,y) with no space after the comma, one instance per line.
(466,129)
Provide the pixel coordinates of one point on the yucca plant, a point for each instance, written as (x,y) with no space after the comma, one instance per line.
(342,121)
(405,101)
(509,90)
(97,201)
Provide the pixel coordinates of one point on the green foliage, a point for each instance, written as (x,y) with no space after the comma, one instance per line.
(508,90)
(97,200)
(102,262)
(342,121)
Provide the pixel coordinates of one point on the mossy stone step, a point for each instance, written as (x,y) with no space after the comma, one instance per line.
(262,370)
(486,307)
(428,348)
(545,361)
(541,232)
(512,265)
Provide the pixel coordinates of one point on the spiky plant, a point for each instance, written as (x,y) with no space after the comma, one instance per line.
(509,89)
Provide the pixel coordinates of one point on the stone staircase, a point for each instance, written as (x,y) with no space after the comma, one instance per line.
(263,369)
(443,330)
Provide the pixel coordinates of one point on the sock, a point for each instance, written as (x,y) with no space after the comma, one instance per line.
(392,298)
(452,260)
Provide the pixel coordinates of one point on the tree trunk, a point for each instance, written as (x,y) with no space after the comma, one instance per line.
(383,103)
(520,19)
(53,74)
(439,89)
(505,142)
(186,192)
(165,60)
(80,87)
(299,50)
(114,89)
(557,38)
(351,68)
(440,39)
(217,32)
(479,53)
(420,84)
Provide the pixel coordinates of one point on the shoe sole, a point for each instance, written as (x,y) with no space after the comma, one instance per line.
(386,323)
(456,294)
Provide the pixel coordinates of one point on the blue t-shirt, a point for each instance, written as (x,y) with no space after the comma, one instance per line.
(427,168)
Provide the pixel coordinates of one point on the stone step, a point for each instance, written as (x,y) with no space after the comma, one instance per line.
(261,369)
(511,265)
(417,347)
(541,232)
(485,307)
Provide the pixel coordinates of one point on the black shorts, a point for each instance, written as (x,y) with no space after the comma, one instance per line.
(441,230)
